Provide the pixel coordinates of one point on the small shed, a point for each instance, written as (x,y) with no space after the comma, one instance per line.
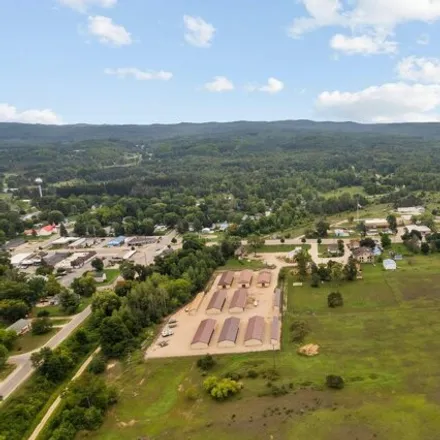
(245,278)
(275,331)
(203,334)
(217,302)
(389,264)
(264,278)
(255,331)
(239,300)
(21,326)
(277,300)
(226,279)
(229,333)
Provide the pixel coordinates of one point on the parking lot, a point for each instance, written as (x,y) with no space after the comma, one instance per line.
(259,302)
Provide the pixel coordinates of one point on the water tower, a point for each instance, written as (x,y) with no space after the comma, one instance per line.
(39,182)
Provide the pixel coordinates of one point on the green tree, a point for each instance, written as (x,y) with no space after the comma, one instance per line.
(316,280)
(3,356)
(322,227)
(392,222)
(69,302)
(63,230)
(84,286)
(7,338)
(52,287)
(385,241)
(350,269)
(116,340)
(221,389)
(98,264)
(206,362)
(255,242)
(40,326)
(424,247)
(335,299)
(97,365)
(128,271)
(12,310)
(302,260)
(53,364)
(105,302)
(55,217)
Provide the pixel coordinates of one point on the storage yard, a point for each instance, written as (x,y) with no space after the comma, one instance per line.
(240,313)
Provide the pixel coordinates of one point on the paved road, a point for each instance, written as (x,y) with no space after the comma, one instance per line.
(57,401)
(23,361)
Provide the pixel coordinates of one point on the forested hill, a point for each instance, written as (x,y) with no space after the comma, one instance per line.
(30,133)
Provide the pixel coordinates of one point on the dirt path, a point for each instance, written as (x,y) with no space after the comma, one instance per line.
(57,401)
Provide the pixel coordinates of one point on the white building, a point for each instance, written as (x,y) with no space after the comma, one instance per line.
(412,210)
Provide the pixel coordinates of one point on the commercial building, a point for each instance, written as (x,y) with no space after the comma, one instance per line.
(78,243)
(141,240)
(254,331)
(411,210)
(64,240)
(264,278)
(424,230)
(54,259)
(117,241)
(17,259)
(229,333)
(376,223)
(226,279)
(239,300)
(203,334)
(217,302)
(13,244)
(245,278)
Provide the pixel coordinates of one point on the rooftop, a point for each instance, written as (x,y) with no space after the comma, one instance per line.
(255,329)
(239,299)
(229,330)
(204,331)
(217,300)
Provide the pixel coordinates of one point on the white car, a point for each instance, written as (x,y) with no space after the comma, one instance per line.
(167,332)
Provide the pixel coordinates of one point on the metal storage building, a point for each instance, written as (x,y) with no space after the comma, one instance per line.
(229,333)
(264,278)
(203,334)
(226,279)
(217,302)
(238,302)
(245,278)
(255,331)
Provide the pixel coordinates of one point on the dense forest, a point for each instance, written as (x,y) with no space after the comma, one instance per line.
(259,177)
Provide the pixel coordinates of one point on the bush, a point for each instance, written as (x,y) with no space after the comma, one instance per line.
(299,330)
(220,389)
(335,382)
(282,240)
(40,326)
(335,300)
(252,374)
(315,280)
(43,313)
(271,374)
(206,362)
(97,365)
(279,390)
(192,394)
(233,376)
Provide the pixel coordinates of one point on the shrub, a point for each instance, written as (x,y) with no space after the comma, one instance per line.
(206,362)
(271,374)
(299,330)
(252,374)
(97,365)
(233,376)
(40,326)
(279,390)
(43,313)
(220,389)
(192,394)
(335,382)
(315,280)
(335,300)
(282,240)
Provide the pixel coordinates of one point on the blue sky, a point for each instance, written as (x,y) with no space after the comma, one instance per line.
(147,61)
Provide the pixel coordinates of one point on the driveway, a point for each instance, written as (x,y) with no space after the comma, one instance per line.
(23,361)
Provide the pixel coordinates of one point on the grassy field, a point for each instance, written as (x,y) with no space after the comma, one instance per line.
(29,342)
(6,370)
(352,190)
(235,264)
(111,274)
(384,342)
(270,248)
(56,311)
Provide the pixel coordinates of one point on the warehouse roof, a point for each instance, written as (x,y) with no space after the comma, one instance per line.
(226,278)
(246,276)
(255,329)
(264,276)
(204,331)
(230,330)
(218,299)
(239,299)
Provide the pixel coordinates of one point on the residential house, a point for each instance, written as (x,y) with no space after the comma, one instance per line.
(364,255)
(333,249)
(21,326)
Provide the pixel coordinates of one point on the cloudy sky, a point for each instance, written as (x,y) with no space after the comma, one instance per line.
(148,61)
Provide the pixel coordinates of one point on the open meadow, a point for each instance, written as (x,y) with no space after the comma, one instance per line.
(384,343)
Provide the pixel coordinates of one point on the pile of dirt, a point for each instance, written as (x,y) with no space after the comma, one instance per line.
(309,350)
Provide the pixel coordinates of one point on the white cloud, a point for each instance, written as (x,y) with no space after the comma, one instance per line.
(392,102)
(198,33)
(140,75)
(425,70)
(423,39)
(9,113)
(108,32)
(219,84)
(83,5)
(273,86)
(371,17)
(363,44)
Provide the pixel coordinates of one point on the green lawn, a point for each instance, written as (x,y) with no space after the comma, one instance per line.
(6,370)
(235,264)
(111,274)
(29,342)
(384,342)
(268,248)
(56,310)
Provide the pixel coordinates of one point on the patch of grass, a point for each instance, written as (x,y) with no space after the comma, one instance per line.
(111,275)
(29,342)
(56,310)
(6,371)
(235,264)
(383,342)
(60,321)
(282,247)
(352,190)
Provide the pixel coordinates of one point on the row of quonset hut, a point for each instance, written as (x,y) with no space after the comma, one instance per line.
(254,335)
(245,278)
